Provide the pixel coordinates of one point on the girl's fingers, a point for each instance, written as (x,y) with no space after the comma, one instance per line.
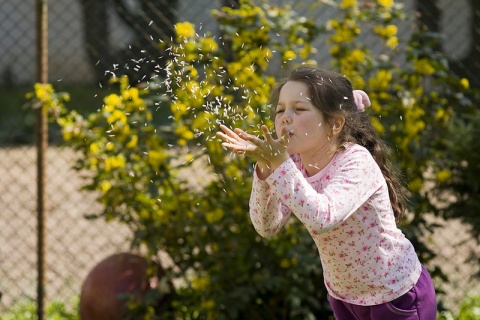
(238,140)
(229,145)
(242,134)
(239,131)
(248,137)
(225,128)
(226,138)
(229,132)
(253,139)
(285,137)
(236,147)
(227,135)
(266,134)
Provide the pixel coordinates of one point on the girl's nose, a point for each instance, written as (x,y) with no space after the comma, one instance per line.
(286,119)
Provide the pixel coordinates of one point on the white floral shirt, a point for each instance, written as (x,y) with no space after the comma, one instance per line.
(346,208)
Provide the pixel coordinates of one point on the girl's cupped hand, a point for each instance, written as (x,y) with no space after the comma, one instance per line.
(267,151)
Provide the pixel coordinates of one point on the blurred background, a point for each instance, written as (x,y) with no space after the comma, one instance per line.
(88,41)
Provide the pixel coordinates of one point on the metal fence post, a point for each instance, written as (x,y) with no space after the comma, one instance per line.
(41,142)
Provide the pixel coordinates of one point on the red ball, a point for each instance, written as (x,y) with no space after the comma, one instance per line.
(103,294)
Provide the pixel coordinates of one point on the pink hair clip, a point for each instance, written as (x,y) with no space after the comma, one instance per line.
(361,99)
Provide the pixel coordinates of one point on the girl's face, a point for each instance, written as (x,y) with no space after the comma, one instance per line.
(296,116)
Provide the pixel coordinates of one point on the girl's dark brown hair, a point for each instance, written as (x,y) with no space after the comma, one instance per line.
(332,94)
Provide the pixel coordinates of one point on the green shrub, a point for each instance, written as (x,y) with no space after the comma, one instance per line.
(55,310)
(459,187)
(469,310)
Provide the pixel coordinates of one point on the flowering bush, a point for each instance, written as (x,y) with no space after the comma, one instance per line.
(224,268)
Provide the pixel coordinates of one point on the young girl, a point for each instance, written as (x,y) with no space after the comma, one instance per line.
(329,168)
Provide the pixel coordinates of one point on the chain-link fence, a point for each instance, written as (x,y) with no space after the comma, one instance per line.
(88,41)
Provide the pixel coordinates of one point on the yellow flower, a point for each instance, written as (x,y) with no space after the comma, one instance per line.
(155,158)
(391,30)
(208,44)
(415,185)
(208,304)
(332,24)
(67,134)
(348,4)
(131,94)
(193,87)
(345,32)
(200,283)
(43,91)
(358,81)
(289,55)
(285,263)
(443,176)
(193,73)
(386,16)
(117,115)
(114,162)
(423,66)
(189,157)
(214,216)
(105,185)
(385,32)
(133,142)
(384,75)
(160,215)
(464,83)
(378,126)
(335,50)
(381,81)
(184,133)
(392,42)
(111,102)
(357,56)
(94,148)
(442,115)
(93,162)
(386,3)
(178,108)
(234,68)
(267,53)
(184,30)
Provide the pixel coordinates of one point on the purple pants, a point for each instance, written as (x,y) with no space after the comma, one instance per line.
(419,303)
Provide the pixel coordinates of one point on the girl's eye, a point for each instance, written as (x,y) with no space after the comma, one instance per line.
(279,111)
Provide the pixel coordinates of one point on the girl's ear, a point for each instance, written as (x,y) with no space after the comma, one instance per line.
(338,123)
